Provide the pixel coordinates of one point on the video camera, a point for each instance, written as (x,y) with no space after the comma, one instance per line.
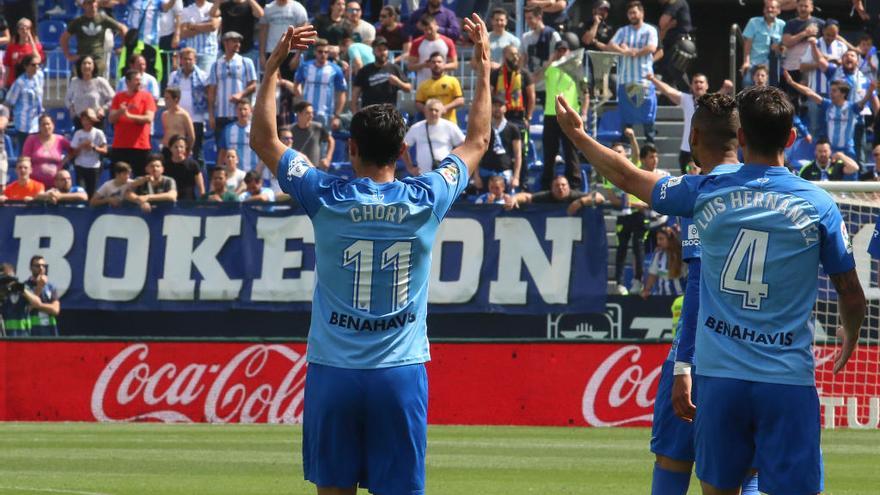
(9,285)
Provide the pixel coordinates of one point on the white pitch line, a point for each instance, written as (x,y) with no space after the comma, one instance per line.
(51,490)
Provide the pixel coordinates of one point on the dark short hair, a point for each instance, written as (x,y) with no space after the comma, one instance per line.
(637,4)
(129,74)
(378,131)
(759,67)
(436,54)
(426,19)
(154,157)
(120,167)
(646,150)
(130,61)
(174,92)
(842,87)
(699,74)
(321,42)
(823,140)
(618,143)
(533,9)
(36,257)
(300,106)
(217,170)
(498,11)
(863,37)
(22,65)
(766,117)
(717,119)
(175,138)
(253,176)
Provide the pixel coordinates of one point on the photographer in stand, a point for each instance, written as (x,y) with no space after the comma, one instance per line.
(29,308)
(14,320)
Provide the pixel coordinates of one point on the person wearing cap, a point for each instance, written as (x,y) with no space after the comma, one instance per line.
(440,86)
(88,144)
(818,65)
(761,38)
(597,32)
(558,82)
(240,16)
(232,79)
(322,83)
(378,82)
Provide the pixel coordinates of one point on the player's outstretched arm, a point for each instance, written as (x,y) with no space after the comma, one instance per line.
(851,304)
(264,130)
(609,164)
(480,118)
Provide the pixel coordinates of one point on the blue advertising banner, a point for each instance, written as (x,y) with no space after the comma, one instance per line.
(220,257)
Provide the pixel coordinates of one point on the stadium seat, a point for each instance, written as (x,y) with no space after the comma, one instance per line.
(57,66)
(609,126)
(11,156)
(537,116)
(586,171)
(63,121)
(50,33)
(340,153)
(209,150)
(801,150)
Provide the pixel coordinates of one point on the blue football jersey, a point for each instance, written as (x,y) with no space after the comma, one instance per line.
(874,246)
(373,258)
(763,233)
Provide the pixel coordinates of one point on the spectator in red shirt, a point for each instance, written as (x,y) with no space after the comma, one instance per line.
(48,151)
(131,113)
(430,42)
(24,42)
(392,30)
(24,188)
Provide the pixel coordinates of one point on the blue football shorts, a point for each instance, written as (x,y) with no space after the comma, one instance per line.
(366,427)
(670,436)
(775,428)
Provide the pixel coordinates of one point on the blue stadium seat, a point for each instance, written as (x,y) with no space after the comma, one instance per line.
(11,155)
(340,153)
(610,127)
(63,121)
(537,116)
(586,171)
(50,33)
(801,150)
(209,149)
(57,66)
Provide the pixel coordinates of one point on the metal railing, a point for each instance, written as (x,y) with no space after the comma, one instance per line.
(733,43)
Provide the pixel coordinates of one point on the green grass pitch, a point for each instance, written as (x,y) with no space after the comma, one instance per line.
(136,459)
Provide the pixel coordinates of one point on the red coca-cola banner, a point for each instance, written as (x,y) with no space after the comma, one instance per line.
(493,384)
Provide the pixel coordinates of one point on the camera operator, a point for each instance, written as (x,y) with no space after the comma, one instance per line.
(43,300)
(14,308)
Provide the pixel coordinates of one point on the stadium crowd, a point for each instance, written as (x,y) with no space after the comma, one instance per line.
(157,103)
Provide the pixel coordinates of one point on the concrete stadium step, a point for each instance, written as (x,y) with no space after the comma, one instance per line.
(666,112)
(669,127)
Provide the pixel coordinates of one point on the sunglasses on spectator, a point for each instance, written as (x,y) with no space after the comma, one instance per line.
(352,11)
(286,138)
(38,265)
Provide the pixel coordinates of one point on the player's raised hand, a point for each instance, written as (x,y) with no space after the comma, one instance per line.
(293,39)
(681,398)
(568,119)
(847,346)
(479,36)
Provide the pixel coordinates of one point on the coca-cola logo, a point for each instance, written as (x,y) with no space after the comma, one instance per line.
(262,383)
(621,391)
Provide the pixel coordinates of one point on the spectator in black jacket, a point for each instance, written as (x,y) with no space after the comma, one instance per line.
(828,166)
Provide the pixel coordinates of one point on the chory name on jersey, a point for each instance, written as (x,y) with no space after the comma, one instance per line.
(343,320)
(788,206)
(744,333)
(378,213)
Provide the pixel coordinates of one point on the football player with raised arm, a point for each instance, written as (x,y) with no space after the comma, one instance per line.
(764,233)
(366,392)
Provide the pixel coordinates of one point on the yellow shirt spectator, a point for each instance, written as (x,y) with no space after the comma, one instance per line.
(446,88)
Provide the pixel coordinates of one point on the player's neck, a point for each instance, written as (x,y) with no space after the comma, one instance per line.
(378,174)
(775,160)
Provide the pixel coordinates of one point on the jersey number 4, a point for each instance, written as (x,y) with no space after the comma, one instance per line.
(396,258)
(743,272)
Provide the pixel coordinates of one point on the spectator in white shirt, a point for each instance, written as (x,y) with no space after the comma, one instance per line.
(432,138)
